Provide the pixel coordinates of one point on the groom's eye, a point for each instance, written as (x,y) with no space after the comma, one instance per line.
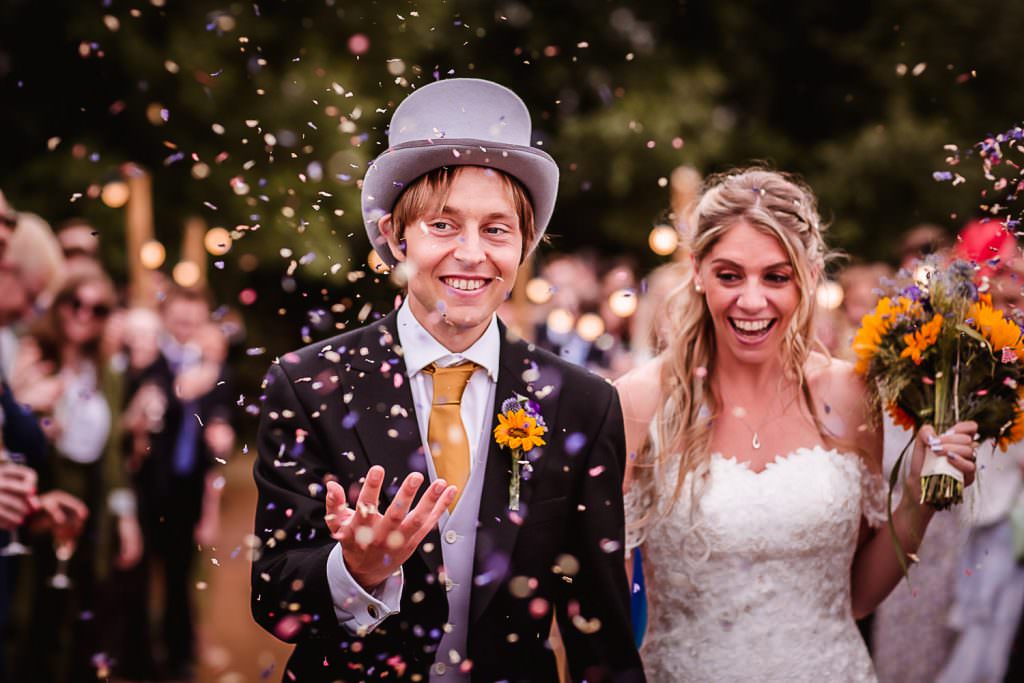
(441,225)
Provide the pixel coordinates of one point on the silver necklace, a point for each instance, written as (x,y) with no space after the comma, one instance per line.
(739,412)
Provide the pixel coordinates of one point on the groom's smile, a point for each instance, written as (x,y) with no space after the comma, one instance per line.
(462,256)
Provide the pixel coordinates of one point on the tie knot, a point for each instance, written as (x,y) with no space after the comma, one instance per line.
(450,382)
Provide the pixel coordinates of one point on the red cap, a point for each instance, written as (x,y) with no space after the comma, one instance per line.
(988,243)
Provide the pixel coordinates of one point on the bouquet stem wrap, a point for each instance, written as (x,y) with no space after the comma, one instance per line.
(942,485)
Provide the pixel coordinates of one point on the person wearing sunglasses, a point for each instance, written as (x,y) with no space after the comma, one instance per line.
(65,348)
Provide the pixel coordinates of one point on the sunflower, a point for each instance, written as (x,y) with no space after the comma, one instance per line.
(918,342)
(874,326)
(900,417)
(1000,332)
(1015,433)
(517,430)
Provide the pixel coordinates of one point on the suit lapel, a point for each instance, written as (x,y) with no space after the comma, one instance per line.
(382,412)
(498,527)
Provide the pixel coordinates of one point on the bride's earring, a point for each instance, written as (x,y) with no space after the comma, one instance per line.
(698,288)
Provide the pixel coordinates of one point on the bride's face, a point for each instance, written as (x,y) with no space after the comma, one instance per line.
(751,293)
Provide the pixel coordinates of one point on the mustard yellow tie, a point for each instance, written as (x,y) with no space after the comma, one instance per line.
(445,432)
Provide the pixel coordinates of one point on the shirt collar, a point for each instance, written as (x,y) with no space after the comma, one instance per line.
(421,348)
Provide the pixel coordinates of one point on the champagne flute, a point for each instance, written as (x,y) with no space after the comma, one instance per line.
(14,546)
(64,537)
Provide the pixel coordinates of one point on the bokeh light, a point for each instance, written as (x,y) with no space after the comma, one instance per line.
(217,241)
(152,254)
(538,290)
(830,295)
(186,273)
(561,321)
(376,263)
(623,302)
(590,326)
(663,240)
(115,194)
(358,44)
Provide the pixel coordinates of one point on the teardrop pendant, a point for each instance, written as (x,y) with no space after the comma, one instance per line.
(755,442)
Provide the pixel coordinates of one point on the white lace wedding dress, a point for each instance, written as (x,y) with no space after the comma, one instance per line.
(756,587)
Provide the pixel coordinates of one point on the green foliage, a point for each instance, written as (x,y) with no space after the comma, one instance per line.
(858,97)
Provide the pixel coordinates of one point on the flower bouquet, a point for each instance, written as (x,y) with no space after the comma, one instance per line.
(938,353)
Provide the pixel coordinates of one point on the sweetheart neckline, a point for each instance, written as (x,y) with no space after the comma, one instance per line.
(779,458)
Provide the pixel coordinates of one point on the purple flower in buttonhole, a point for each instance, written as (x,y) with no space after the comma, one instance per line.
(510,404)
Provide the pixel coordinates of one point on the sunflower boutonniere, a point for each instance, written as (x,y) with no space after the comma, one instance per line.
(520,428)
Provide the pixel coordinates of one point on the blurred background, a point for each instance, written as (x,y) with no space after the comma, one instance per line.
(218,148)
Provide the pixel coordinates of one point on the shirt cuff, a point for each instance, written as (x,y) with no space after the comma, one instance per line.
(357,610)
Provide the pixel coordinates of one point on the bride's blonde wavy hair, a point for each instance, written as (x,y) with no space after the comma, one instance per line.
(776,204)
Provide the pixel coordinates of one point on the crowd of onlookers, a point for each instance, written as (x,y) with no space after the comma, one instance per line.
(114,416)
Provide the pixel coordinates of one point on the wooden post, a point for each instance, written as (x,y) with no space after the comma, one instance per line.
(684,191)
(192,247)
(139,230)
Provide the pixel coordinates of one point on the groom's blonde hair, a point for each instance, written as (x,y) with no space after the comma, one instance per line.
(430,191)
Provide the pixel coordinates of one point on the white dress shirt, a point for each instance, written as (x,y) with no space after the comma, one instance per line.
(83,414)
(359,611)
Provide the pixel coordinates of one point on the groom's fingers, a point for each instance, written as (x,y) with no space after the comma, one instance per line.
(440,505)
(421,513)
(403,500)
(369,494)
(336,510)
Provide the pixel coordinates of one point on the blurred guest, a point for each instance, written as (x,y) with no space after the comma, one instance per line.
(64,350)
(33,250)
(651,320)
(861,284)
(575,293)
(79,242)
(21,435)
(177,490)
(618,286)
(922,241)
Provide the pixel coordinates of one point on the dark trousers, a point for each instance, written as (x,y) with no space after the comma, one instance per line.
(169,552)
(64,630)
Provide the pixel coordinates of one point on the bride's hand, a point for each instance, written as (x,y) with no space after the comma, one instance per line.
(957,445)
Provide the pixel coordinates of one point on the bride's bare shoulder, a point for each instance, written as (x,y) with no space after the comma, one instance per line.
(834,378)
(640,390)
(844,403)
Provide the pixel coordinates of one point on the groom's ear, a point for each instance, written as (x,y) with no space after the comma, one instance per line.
(386,225)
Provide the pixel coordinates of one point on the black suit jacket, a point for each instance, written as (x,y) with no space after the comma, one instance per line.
(177,499)
(333,409)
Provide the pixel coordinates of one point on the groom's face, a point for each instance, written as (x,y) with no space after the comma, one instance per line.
(461,256)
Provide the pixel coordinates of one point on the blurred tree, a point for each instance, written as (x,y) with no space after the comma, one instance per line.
(261,117)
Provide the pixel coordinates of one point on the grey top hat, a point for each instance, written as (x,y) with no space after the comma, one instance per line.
(458,122)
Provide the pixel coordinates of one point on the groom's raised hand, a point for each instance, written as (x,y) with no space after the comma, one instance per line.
(374,544)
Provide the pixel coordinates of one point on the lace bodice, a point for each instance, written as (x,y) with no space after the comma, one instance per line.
(755,585)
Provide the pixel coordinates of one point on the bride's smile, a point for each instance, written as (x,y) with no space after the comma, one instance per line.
(751,293)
